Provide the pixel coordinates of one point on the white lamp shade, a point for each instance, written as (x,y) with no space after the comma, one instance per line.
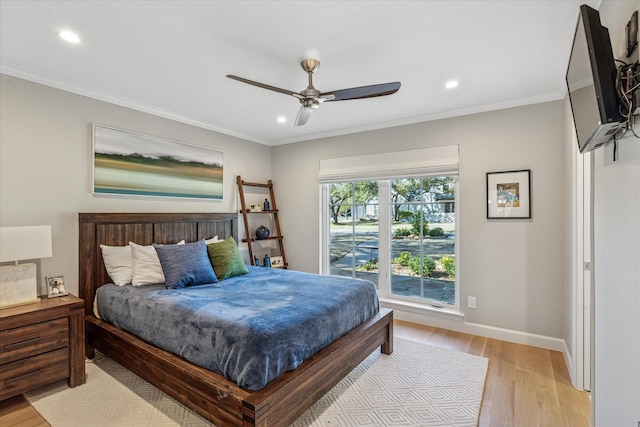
(19,243)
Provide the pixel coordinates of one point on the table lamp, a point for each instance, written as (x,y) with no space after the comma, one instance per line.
(18,282)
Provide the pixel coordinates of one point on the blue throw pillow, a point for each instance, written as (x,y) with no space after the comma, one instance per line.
(186,265)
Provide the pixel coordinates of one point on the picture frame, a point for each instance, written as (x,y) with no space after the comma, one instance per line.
(277,262)
(509,194)
(132,164)
(55,286)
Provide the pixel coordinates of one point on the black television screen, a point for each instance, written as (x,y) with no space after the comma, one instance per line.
(591,81)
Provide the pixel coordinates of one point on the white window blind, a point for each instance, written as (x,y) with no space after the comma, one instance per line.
(396,164)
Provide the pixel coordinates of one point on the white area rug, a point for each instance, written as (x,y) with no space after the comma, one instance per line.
(418,385)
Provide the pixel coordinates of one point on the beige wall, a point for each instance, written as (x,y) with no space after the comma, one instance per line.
(515,269)
(46,156)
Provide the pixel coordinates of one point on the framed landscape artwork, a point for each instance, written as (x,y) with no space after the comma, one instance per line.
(132,164)
(509,194)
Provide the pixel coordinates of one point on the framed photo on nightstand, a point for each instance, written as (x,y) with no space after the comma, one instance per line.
(55,285)
(277,262)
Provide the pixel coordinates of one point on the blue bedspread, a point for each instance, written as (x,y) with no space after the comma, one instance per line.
(248,328)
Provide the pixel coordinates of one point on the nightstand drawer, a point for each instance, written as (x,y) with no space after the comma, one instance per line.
(27,374)
(30,340)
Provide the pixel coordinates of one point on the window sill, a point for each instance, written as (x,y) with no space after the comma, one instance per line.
(446,312)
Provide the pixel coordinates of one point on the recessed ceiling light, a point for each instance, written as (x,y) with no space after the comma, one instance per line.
(70,36)
(451,84)
(282,119)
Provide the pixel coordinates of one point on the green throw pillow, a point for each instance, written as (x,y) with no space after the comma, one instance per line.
(226,259)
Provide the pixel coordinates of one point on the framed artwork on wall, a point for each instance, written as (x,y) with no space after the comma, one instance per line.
(509,194)
(133,164)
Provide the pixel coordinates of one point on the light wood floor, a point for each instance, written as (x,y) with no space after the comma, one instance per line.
(16,412)
(526,386)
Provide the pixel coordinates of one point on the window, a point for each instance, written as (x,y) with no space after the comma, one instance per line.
(391,218)
(399,234)
(423,239)
(353,229)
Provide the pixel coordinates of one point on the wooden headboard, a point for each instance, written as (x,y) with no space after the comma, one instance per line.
(118,229)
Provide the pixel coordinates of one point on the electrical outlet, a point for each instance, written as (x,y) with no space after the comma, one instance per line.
(471,302)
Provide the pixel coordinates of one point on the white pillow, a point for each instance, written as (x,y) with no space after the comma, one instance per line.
(146,265)
(119,263)
(214,239)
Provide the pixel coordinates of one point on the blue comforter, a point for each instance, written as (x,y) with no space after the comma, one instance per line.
(248,328)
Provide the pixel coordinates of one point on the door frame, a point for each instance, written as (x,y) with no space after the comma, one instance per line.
(584,267)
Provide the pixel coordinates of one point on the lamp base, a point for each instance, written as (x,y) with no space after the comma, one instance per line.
(18,284)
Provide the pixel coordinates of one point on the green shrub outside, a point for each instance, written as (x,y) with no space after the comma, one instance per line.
(413,262)
(402,259)
(429,266)
(369,265)
(449,264)
(402,232)
(436,232)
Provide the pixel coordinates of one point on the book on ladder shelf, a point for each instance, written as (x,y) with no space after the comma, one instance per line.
(265,209)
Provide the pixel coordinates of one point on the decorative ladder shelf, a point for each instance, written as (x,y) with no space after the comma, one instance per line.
(249,237)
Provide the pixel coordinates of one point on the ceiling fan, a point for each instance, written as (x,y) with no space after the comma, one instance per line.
(311,98)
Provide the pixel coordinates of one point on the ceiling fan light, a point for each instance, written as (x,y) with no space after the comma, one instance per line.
(69,36)
(451,84)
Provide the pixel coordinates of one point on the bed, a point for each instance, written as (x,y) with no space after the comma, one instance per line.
(211,395)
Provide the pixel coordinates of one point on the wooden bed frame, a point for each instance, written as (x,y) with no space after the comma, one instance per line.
(212,396)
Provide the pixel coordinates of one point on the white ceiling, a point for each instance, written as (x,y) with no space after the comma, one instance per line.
(170,58)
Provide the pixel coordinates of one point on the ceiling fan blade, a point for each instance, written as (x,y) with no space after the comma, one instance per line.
(303,115)
(370,91)
(265,86)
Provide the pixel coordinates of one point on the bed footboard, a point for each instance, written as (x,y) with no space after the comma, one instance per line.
(223,402)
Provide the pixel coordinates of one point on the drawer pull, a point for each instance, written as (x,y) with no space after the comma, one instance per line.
(21,344)
(19,377)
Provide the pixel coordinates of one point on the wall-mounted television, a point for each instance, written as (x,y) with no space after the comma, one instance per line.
(591,81)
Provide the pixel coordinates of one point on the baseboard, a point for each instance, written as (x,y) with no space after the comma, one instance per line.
(568,359)
(503,334)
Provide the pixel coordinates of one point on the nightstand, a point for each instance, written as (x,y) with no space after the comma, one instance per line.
(40,343)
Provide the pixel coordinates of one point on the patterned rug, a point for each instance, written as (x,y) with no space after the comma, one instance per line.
(418,385)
